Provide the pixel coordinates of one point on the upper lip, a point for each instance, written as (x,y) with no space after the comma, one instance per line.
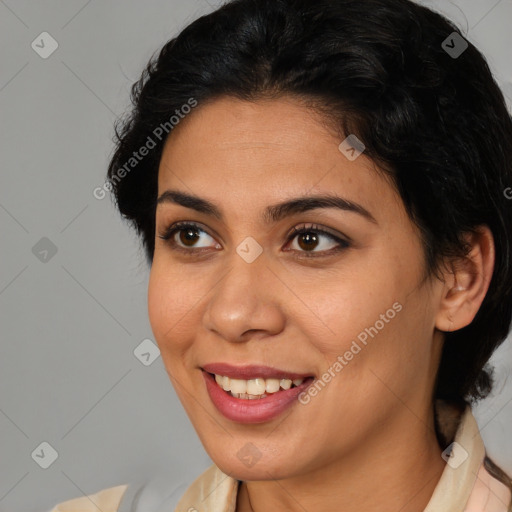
(251,371)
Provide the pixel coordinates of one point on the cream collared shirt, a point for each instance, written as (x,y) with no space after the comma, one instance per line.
(465,485)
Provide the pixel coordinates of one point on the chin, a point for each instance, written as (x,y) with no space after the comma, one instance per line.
(245,463)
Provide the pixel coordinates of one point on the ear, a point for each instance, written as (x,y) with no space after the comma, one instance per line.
(466,282)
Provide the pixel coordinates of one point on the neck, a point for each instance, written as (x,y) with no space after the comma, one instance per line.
(398,470)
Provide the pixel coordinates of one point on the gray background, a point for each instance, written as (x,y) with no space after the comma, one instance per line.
(71,320)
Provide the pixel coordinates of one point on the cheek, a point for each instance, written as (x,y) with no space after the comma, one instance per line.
(346,306)
(170,309)
(367,285)
(374,318)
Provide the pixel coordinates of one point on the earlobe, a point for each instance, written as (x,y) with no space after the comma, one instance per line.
(467,282)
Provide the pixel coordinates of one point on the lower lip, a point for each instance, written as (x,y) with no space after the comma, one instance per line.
(258,410)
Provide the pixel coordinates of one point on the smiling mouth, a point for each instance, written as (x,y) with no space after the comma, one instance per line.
(257,388)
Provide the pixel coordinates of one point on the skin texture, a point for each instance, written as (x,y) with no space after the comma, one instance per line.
(367,440)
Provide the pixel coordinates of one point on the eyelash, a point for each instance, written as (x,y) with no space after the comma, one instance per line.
(168,233)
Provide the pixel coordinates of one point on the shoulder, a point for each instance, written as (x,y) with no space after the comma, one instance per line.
(106,500)
(489,494)
(471,481)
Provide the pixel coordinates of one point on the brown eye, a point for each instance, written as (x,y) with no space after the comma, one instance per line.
(307,241)
(188,235)
(184,237)
(309,238)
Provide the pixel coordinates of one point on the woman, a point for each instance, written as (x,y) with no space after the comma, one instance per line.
(320,188)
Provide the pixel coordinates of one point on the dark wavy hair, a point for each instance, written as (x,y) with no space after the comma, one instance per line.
(436,123)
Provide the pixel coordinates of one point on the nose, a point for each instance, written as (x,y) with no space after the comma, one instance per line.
(246,302)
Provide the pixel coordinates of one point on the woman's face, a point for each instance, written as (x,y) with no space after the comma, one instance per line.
(344,302)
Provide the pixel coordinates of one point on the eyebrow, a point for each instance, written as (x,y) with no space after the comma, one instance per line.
(273,213)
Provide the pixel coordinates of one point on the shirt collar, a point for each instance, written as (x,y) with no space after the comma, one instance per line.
(464,457)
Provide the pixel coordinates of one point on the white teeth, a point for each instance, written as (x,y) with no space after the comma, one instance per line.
(272,385)
(285,383)
(254,388)
(247,396)
(238,386)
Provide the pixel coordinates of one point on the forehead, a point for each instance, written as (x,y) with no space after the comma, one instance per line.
(261,151)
